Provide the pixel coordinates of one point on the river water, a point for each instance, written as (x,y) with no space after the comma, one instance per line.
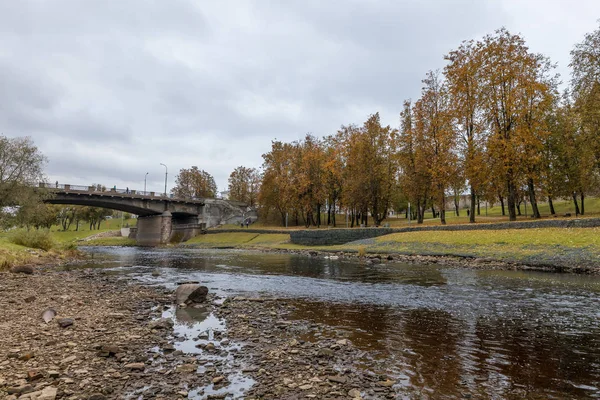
(444,332)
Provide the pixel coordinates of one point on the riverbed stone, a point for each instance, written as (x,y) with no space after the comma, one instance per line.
(22,269)
(65,322)
(190,293)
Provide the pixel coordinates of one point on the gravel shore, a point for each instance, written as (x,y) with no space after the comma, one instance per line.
(112,339)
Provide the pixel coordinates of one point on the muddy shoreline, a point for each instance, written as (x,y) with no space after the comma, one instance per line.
(113,338)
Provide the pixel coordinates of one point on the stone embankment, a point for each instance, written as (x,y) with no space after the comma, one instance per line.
(326,237)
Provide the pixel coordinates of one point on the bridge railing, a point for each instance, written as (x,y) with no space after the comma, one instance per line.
(103,189)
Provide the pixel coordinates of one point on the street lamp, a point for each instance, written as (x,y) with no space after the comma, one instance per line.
(145,176)
(165,178)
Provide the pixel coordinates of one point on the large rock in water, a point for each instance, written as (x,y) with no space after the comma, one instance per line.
(190,293)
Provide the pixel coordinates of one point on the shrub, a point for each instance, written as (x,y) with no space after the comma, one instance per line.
(35,239)
(361,251)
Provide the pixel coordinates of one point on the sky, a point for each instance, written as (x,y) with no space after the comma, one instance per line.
(109,89)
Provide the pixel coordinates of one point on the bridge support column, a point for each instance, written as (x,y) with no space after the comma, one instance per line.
(154,230)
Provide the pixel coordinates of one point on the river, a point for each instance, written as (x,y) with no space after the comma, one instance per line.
(442,332)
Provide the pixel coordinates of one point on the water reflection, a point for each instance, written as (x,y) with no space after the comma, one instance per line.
(443,332)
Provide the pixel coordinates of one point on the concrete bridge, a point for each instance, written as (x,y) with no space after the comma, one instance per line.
(161,219)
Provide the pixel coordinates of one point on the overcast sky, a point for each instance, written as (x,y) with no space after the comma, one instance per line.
(108,89)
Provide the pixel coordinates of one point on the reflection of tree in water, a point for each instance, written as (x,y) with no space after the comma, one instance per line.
(433,338)
(189,316)
(369,325)
(537,359)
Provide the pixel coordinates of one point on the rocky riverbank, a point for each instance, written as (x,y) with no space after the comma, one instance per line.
(562,264)
(110,339)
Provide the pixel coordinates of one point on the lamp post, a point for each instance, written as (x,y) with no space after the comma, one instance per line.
(145,177)
(166,170)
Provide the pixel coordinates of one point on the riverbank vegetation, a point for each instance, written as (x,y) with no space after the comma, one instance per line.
(491,128)
(560,246)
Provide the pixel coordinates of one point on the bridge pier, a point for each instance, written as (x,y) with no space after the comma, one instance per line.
(154,230)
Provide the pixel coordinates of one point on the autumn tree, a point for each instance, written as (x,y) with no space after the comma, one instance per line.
(585,64)
(194,183)
(308,179)
(244,185)
(333,175)
(509,76)
(371,168)
(415,176)
(465,107)
(276,191)
(436,137)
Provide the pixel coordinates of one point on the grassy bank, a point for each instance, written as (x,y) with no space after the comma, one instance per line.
(59,246)
(552,246)
(239,240)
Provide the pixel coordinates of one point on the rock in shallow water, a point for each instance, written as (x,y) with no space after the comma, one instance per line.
(190,293)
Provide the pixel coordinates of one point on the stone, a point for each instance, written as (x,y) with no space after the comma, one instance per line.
(53,374)
(34,375)
(337,379)
(190,293)
(354,394)
(65,322)
(20,389)
(155,273)
(327,353)
(386,383)
(218,379)
(28,355)
(163,323)
(69,359)
(29,299)
(108,350)
(22,269)
(136,366)
(48,314)
(187,368)
(48,393)
(342,342)
(97,396)
(308,386)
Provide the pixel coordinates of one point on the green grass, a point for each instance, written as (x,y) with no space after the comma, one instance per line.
(572,237)
(546,245)
(239,239)
(72,235)
(110,241)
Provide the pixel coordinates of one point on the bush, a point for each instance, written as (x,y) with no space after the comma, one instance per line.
(362,252)
(35,239)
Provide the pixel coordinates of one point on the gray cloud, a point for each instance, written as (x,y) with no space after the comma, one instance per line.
(110,89)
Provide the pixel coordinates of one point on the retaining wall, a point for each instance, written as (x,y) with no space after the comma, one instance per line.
(325,237)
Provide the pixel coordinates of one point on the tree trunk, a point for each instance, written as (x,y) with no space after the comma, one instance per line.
(512,215)
(582,196)
(329,214)
(478,206)
(502,204)
(457,205)
(333,218)
(576,205)
(443,216)
(472,206)
(551,204)
(282,218)
(534,207)
(419,212)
